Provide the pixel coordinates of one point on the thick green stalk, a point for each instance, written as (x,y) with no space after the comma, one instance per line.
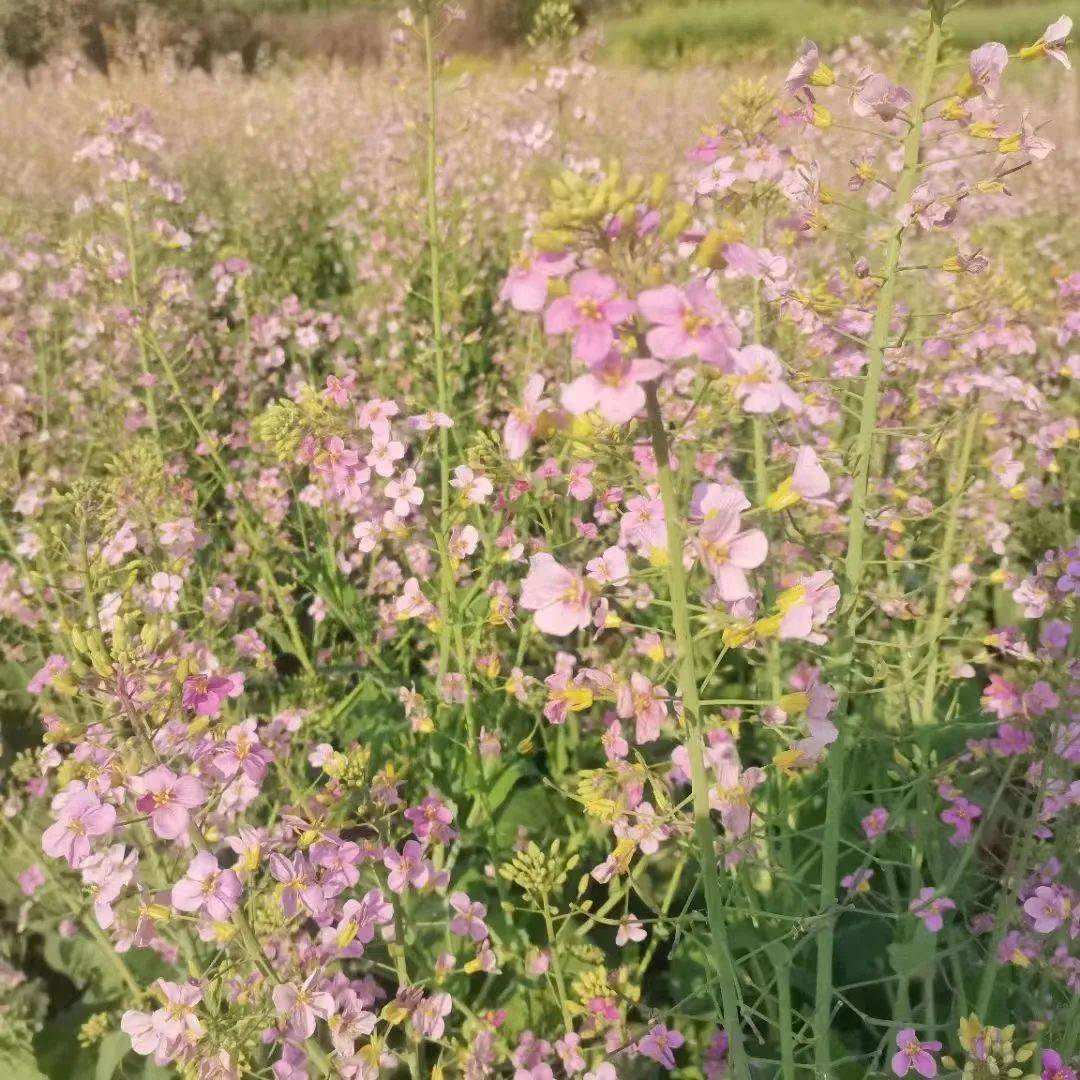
(704,836)
(955,482)
(446,570)
(853,562)
(136,304)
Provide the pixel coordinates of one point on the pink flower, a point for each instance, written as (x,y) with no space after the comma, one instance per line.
(874,95)
(408,868)
(728,552)
(45,675)
(526,286)
(929,907)
(758,383)
(429,1017)
(660,1045)
(629,930)
(205,694)
(557,595)
(82,815)
(302,1007)
(808,478)
(31,879)
(638,698)
(807,606)
(241,751)
(612,386)
(875,823)
(1053,41)
(806,63)
(469,916)
(522,422)
(298,884)
(1048,908)
(168,798)
(985,66)
(689,322)
(914,1054)
(169,1029)
(591,312)
(206,887)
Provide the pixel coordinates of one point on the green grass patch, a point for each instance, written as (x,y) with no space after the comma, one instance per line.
(665,33)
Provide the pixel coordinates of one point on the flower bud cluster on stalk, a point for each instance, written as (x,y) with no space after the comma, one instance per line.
(657,654)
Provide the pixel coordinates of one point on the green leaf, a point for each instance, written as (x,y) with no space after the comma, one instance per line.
(17,1062)
(505,781)
(112,1051)
(910,957)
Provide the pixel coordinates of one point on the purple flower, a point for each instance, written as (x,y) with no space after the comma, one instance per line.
(914,1054)
(985,67)
(660,1045)
(929,907)
(1054,1068)
(205,694)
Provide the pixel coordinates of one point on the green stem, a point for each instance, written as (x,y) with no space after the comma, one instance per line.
(446,570)
(781,962)
(704,835)
(853,563)
(955,483)
(136,305)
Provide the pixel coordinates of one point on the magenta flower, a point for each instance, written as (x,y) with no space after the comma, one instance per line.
(1054,1068)
(205,694)
(914,1054)
(526,286)
(557,596)
(660,1045)
(689,322)
(961,816)
(168,799)
(930,907)
(302,1007)
(728,552)
(206,887)
(591,312)
(612,386)
(82,815)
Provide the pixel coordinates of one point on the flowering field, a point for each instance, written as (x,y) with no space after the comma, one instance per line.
(542,571)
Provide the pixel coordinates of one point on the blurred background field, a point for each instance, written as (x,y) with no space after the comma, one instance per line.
(642,32)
